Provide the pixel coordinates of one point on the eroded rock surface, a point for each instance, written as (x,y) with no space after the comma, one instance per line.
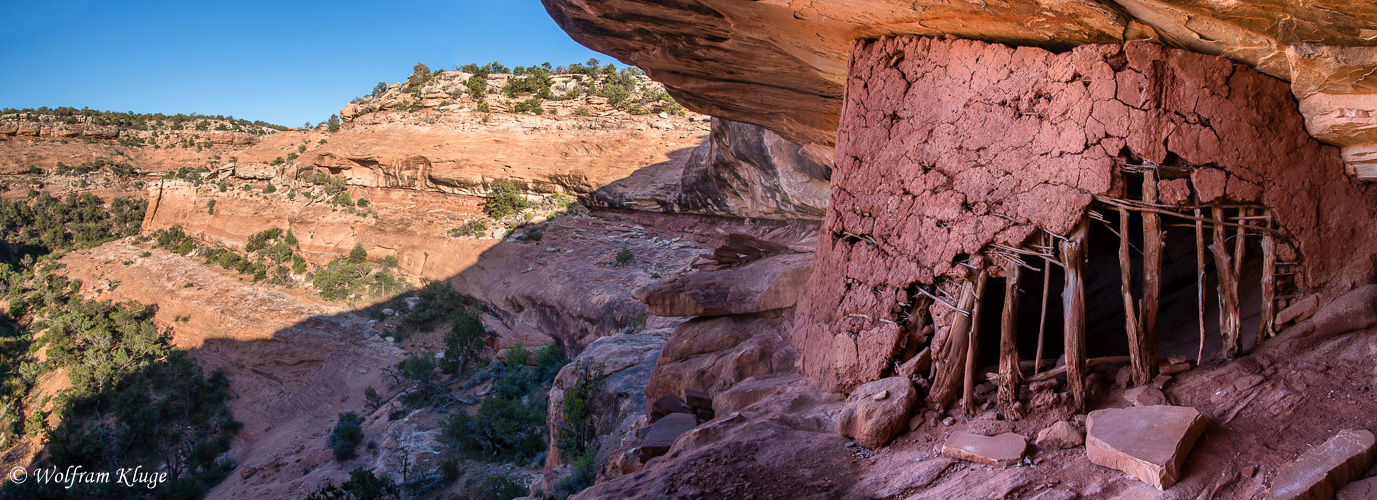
(740,170)
(618,408)
(783,64)
(1322,470)
(766,284)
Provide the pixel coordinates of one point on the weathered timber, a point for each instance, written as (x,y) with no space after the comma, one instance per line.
(973,346)
(1200,282)
(1229,330)
(1266,325)
(1135,339)
(1089,363)
(949,360)
(1073,254)
(1009,373)
(1152,285)
(1042,317)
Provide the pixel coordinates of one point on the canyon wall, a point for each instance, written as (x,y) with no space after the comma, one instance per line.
(740,170)
(948,148)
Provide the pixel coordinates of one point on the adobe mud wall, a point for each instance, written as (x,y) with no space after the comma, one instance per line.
(947,147)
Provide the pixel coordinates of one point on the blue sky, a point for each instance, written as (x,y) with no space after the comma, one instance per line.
(279,61)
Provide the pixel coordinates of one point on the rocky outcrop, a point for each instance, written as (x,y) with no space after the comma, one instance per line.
(741,170)
(618,407)
(783,65)
(1322,470)
(714,354)
(963,145)
(767,284)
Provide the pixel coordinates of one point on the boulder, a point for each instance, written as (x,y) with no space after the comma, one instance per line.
(1060,436)
(1146,395)
(618,407)
(1147,442)
(1359,490)
(874,422)
(1301,310)
(997,451)
(714,354)
(666,405)
(765,284)
(1321,470)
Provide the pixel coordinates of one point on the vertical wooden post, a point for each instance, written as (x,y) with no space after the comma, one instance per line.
(1046,289)
(949,361)
(973,346)
(1009,375)
(1266,323)
(1200,281)
(1229,330)
(1073,254)
(1152,280)
(1135,339)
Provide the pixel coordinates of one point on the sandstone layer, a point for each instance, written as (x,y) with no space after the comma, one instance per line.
(783,64)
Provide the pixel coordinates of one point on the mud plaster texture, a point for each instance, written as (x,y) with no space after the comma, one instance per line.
(948,146)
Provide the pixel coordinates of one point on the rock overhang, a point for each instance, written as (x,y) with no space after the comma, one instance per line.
(782,64)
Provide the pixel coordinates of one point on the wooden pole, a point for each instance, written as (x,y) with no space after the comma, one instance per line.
(973,346)
(949,361)
(1200,281)
(1152,282)
(1266,323)
(1229,330)
(1135,339)
(1046,289)
(1073,301)
(1009,374)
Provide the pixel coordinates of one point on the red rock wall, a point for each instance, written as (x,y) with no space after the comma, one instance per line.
(948,146)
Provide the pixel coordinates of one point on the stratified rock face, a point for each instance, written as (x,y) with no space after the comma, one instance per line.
(741,170)
(947,148)
(1325,468)
(714,354)
(878,411)
(782,64)
(1147,442)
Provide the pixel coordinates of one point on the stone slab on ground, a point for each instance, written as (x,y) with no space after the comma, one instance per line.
(1365,489)
(665,431)
(666,405)
(1147,442)
(998,451)
(1145,395)
(1323,469)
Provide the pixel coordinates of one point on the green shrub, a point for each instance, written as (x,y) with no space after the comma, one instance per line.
(346,436)
(625,257)
(501,487)
(333,125)
(578,435)
(269,189)
(362,485)
(504,199)
(474,228)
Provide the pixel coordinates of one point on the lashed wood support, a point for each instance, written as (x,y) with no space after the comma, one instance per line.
(1135,339)
(1230,331)
(1009,374)
(949,361)
(1200,282)
(973,346)
(1266,326)
(1073,254)
(1046,290)
(1152,285)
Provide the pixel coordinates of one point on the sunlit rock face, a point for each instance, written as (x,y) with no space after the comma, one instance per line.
(782,64)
